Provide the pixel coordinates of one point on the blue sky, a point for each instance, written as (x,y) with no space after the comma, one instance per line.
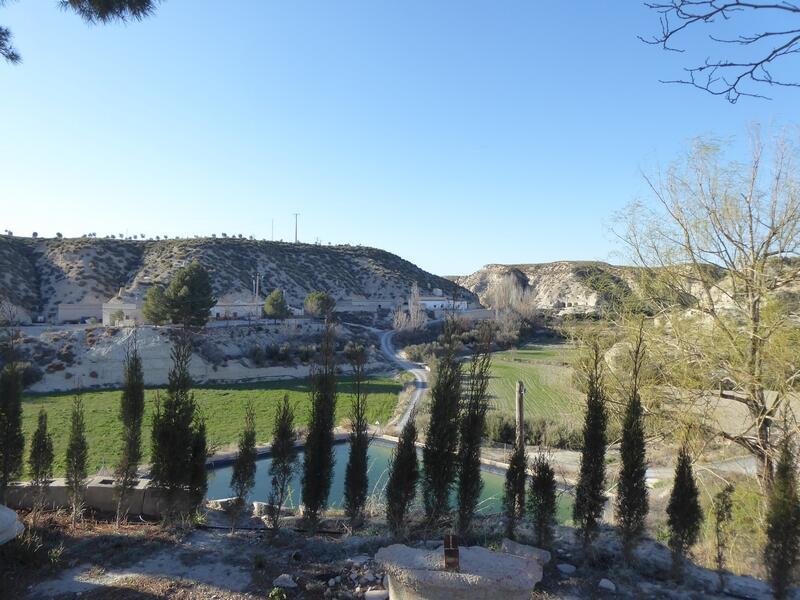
(451,133)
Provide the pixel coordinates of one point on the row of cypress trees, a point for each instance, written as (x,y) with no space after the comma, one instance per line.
(451,452)
(684,513)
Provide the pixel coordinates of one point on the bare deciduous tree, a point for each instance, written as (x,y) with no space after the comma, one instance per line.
(755,53)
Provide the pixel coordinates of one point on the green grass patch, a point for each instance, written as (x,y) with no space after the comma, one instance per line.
(547,376)
(222,406)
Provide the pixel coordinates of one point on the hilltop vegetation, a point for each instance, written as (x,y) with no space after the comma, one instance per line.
(38,274)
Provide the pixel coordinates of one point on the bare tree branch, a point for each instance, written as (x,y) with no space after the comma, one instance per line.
(724,76)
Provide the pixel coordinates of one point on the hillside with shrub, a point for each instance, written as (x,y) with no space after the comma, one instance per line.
(36,275)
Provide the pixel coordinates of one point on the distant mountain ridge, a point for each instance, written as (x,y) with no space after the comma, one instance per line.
(36,275)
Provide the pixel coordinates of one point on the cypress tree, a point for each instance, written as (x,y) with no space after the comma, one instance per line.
(131,415)
(683,511)
(178,447)
(542,500)
(198,473)
(318,460)
(77,456)
(783,524)
(472,427)
(355,477)
(589,492)
(514,491)
(723,514)
(12,441)
(243,477)
(632,495)
(441,440)
(40,462)
(403,475)
(284,457)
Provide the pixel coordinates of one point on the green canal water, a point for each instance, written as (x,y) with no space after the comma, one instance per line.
(379,456)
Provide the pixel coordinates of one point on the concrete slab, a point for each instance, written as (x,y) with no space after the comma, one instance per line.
(418,574)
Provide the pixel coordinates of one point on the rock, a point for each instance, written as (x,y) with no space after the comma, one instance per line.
(419,573)
(369,576)
(747,587)
(517,549)
(328,593)
(331,582)
(284,581)
(565,568)
(377,595)
(260,509)
(607,585)
(224,504)
(10,525)
(359,561)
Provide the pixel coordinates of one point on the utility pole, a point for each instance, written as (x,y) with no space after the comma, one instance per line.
(295,226)
(272,235)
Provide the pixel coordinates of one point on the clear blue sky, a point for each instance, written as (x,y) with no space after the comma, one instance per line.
(452,133)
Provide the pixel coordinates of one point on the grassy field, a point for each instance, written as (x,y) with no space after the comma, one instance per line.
(223,407)
(547,377)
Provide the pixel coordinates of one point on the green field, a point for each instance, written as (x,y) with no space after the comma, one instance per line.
(547,376)
(222,406)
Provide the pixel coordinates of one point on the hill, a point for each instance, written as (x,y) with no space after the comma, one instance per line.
(573,286)
(36,275)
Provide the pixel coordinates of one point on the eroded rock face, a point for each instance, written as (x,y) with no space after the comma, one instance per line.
(418,574)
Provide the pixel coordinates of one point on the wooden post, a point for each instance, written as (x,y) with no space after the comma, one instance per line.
(451,558)
(520,414)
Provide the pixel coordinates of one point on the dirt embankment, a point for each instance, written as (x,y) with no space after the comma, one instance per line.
(63,359)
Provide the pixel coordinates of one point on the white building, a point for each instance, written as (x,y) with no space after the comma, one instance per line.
(123,311)
(437,301)
(238,306)
(78,312)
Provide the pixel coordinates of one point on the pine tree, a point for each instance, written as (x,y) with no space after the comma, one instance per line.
(683,511)
(542,500)
(190,296)
(589,492)
(275,306)
(355,477)
(155,308)
(131,415)
(178,447)
(441,441)
(284,458)
(632,495)
(243,477)
(318,460)
(12,441)
(723,514)
(783,524)
(76,459)
(40,462)
(514,492)
(472,427)
(403,475)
